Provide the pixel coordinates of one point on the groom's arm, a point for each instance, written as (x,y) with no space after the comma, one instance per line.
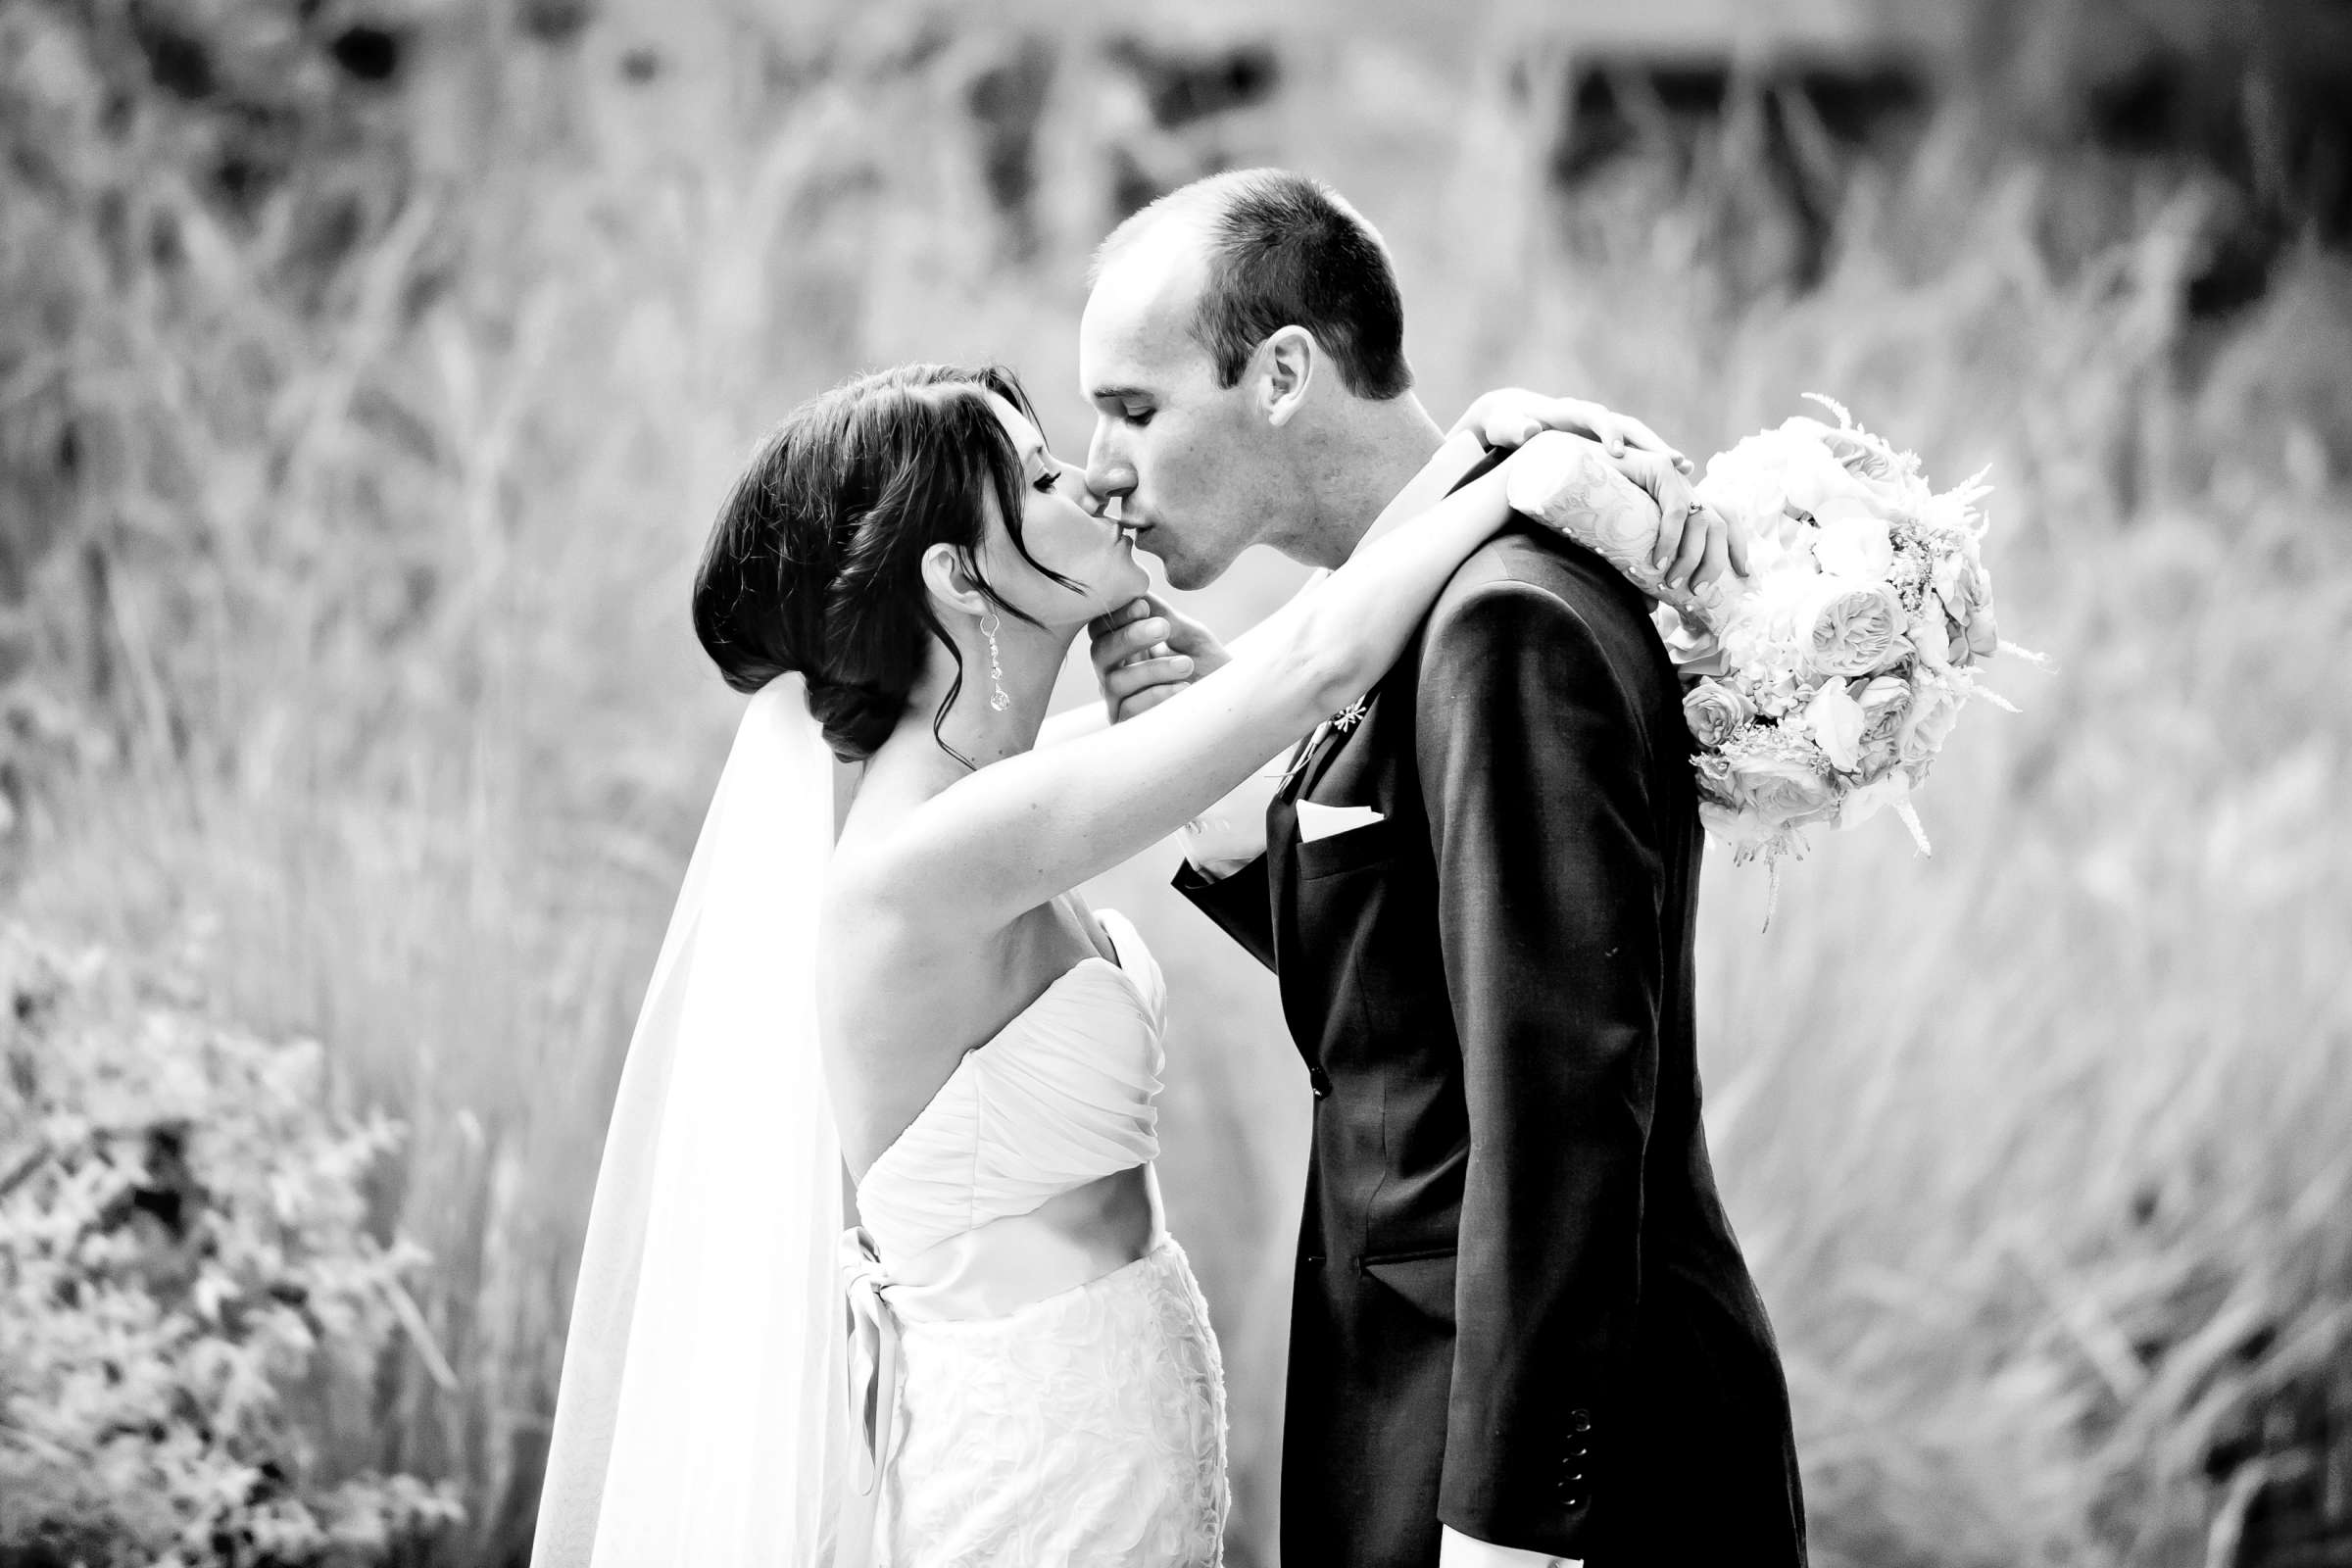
(1224,869)
(1550,884)
(1242,904)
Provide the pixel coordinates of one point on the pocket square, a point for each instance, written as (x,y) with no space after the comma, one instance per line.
(1322,822)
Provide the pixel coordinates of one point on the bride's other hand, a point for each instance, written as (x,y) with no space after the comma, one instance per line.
(1693,546)
(1696,543)
(1507,416)
(1146,652)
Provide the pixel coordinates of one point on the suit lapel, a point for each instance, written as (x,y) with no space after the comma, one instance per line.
(1314,760)
(1282,889)
(1460,459)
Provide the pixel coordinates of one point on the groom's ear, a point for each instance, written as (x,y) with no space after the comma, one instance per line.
(1284,367)
(948,573)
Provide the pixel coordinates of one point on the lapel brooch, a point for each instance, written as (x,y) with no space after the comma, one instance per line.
(1341,722)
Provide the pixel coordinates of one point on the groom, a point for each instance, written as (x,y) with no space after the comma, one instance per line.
(1522,1329)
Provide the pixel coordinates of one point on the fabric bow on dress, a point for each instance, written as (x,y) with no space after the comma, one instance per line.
(873,1387)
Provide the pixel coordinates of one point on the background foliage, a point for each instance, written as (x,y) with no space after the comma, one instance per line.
(192,1304)
(369,371)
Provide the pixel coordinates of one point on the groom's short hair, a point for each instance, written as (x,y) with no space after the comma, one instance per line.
(1287,250)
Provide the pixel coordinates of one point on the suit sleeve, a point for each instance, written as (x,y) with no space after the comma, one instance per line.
(1550,885)
(1242,903)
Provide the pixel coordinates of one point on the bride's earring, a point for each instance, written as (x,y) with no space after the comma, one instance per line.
(997,699)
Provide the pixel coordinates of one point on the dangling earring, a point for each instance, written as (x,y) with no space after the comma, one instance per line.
(989,624)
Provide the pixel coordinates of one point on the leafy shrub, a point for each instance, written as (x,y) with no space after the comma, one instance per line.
(185,1277)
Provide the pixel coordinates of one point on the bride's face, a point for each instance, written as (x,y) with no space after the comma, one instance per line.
(1065,533)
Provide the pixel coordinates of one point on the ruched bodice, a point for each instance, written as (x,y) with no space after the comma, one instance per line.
(1050,1365)
(1060,1097)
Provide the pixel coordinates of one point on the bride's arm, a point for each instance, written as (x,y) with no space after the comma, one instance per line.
(1146,652)
(1072,723)
(1019,832)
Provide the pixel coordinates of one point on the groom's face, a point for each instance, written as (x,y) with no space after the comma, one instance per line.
(1194,471)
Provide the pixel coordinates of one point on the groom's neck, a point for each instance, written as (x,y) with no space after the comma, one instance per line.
(1371,450)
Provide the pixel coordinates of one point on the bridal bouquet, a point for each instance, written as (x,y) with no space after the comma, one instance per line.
(1842,661)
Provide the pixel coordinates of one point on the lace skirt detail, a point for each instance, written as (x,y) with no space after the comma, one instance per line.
(1086,1428)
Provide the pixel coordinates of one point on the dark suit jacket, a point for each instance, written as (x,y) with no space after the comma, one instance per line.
(1519,1307)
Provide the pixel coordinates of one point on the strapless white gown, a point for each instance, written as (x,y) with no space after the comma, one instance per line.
(1037,1412)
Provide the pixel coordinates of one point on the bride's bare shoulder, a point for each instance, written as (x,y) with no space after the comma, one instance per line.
(879,923)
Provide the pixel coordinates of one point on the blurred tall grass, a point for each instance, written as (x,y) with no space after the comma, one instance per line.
(350,513)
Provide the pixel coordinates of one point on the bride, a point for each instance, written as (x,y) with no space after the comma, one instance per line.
(1008,1360)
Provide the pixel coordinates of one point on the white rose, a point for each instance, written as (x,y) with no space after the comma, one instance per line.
(1837,722)
(1750,482)
(1817,481)
(1935,709)
(1886,702)
(1782,791)
(1713,710)
(1853,546)
(1852,628)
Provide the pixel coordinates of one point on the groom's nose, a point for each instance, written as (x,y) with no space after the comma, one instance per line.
(1108,474)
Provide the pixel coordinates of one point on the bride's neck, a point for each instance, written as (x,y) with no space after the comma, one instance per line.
(1031,657)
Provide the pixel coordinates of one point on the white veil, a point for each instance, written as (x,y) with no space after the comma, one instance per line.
(701,1418)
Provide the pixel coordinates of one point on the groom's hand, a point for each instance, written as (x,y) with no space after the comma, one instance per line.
(1144,652)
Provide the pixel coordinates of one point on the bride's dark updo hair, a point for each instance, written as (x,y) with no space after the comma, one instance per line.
(816,562)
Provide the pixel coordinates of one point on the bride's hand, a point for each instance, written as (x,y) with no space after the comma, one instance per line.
(1613,505)
(1507,416)
(1695,545)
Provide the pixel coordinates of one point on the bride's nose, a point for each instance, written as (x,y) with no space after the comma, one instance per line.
(1096,503)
